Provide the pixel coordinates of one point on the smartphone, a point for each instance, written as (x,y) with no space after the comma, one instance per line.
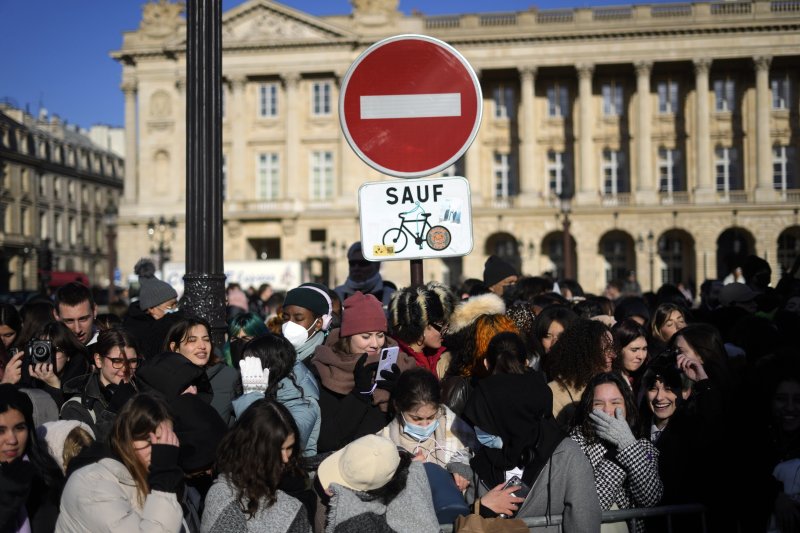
(387,359)
(523,489)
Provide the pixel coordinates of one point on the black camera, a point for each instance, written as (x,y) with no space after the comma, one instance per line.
(39,351)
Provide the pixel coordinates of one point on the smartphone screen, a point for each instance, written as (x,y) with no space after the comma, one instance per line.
(387,359)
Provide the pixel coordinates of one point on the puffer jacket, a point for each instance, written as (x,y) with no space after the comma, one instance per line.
(302,401)
(102,498)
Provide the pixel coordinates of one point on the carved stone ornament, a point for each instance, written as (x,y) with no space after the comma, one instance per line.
(270,26)
(374,7)
(161,19)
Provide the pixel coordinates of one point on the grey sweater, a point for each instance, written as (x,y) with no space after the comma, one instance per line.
(224,514)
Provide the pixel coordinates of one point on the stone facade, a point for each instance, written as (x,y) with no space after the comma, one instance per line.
(671,128)
(56,185)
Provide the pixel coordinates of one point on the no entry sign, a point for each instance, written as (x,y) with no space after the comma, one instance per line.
(410,106)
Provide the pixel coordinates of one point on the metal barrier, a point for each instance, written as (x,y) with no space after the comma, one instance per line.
(667,511)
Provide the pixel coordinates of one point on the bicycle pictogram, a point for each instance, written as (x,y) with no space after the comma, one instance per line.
(437,237)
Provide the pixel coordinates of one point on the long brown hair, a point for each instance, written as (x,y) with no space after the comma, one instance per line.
(137,419)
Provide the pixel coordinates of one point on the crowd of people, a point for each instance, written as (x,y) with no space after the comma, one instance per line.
(367,407)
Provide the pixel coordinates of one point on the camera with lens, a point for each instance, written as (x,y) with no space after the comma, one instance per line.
(39,351)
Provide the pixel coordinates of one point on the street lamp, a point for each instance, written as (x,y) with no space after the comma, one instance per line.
(110,222)
(565,206)
(161,234)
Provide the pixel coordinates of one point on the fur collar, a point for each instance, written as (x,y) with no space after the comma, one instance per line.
(469,310)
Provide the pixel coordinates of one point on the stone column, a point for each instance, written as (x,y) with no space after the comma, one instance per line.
(293,117)
(586,191)
(705,190)
(646,189)
(472,162)
(530,186)
(237,164)
(765,191)
(131,144)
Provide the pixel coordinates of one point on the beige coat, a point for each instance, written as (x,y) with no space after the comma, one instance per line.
(565,400)
(102,498)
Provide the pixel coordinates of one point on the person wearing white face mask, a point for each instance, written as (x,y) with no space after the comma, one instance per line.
(307,314)
(428,429)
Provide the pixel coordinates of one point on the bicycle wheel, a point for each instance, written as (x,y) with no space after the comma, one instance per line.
(438,238)
(396,237)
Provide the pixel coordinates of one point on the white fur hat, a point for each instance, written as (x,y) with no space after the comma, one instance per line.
(55,433)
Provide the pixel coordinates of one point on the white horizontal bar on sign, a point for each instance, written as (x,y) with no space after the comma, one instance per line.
(411,106)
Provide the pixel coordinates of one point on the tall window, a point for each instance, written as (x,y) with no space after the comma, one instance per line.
(321,98)
(268,100)
(555,172)
(504,171)
(321,175)
(724,95)
(669,170)
(667,97)
(613,169)
(58,228)
(783,167)
(557,101)
(725,161)
(503,97)
(268,172)
(781,91)
(612,99)
(43,229)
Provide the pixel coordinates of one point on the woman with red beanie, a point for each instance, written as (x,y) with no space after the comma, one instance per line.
(352,404)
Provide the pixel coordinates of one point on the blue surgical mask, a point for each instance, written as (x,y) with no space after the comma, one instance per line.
(420,433)
(487,439)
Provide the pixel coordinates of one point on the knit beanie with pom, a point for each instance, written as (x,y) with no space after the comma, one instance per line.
(152,291)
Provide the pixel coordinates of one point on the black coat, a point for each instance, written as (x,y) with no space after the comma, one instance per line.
(149,333)
(345,418)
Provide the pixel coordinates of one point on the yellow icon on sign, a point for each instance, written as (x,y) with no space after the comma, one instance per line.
(382,250)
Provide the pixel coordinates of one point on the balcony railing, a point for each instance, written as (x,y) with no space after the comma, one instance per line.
(674,198)
(733,197)
(619,199)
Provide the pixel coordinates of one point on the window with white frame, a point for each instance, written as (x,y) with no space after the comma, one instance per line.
(612,99)
(321,175)
(503,101)
(724,95)
(557,101)
(321,98)
(268,176)
(667,97)
(669,170)
(268,100)
(555,172)
(725,168)
(783,167)
(504,172)
(613,170)
(781,91)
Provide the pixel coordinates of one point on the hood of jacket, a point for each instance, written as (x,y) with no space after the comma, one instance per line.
(170,374)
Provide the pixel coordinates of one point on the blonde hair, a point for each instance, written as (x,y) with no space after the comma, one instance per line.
(76,440)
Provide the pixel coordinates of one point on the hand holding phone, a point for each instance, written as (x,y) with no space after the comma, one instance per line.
(387,358)
(516,481)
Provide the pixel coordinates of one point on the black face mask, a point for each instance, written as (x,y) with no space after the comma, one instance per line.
(237,347)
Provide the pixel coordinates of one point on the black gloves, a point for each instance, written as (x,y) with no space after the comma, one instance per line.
(364,376)
(165,474)
(389,378)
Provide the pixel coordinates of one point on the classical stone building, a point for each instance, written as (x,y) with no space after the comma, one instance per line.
(56,185)
(670,129)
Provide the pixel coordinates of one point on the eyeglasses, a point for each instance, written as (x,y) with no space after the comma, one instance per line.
(119,362)
(438,326)
(140,448)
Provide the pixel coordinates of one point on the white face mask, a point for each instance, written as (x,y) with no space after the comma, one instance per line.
(295,333)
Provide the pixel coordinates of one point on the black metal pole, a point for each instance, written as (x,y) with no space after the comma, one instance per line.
(204,281)
(416,273)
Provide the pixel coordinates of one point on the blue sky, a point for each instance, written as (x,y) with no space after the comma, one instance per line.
(55,53)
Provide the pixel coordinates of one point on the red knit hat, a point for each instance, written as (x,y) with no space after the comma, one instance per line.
(362,313)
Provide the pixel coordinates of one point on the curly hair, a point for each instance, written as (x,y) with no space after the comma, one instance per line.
(249,455)
(585,406)
(579,353)
(277,354)
(412,309)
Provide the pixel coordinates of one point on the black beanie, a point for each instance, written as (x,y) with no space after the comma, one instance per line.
(308,297)
(496,270)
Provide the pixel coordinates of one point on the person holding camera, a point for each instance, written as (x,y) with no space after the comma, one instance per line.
(625,468)
(101,394)
(51,358)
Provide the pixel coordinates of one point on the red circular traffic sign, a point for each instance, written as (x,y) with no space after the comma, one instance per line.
(410,106)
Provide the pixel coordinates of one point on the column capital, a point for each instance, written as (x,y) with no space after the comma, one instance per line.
(291,79)
(236,80)
(643,68)
(701,65)
(527,72)
(762,63)
(129,87)
(585,70)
